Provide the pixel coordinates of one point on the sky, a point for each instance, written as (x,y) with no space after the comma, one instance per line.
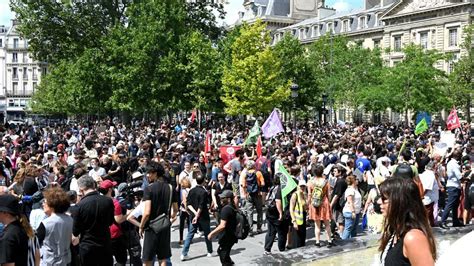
(232,9)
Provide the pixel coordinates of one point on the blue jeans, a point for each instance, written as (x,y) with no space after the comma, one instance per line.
(350,225)
(452,204)
(193,228)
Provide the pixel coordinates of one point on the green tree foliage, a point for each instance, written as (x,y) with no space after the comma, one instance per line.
(58,30)
(253,83)
(415,83)
(294,63)
(462,78)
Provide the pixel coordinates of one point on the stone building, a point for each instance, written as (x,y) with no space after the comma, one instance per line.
(433,24)
(19,74)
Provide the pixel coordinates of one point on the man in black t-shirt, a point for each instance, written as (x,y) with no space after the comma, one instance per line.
(157,201)
(277,221)
(14,240)
(197,204)
(227,226)
(338,193)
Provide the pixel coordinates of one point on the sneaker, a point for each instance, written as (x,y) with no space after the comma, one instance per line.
(267,253)
(210,255)
(330,244)
(183,258)
(317,244)
(200,234)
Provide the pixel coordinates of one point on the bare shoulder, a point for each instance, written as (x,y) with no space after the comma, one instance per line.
(414,237)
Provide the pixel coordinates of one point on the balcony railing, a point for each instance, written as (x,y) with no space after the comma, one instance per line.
(15,77)
(35,77)
(21,94)
(25,77)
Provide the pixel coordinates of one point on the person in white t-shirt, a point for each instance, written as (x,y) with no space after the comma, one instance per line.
(352,208)
(430,185)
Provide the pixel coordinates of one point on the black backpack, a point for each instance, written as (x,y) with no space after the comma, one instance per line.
(242,228)
(251,182)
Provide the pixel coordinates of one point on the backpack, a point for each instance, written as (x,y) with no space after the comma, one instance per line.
(242,228)
(251,182)
(264,170)
(317,195)
(271,196)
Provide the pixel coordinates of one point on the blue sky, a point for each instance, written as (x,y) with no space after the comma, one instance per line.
(232,8)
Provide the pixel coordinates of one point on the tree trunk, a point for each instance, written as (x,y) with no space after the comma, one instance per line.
(468,110)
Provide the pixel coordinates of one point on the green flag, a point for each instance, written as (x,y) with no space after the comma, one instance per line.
(253,134)
(421,127)
(287,184)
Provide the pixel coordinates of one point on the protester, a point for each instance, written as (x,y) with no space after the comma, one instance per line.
(430,185)
(226,227)
(298,212)
(407,238)
(352,208)
(158,198)
(217,188)
(453,188)
(251,183)
(197,203)
(184,218)
(55,232)
(337,198)
(14,239)
(318,192)
(276,222)
(94,216)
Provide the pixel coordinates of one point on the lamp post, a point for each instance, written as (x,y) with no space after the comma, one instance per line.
(325,99)
(294,95)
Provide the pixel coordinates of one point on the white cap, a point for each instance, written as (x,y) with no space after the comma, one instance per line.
(301,183)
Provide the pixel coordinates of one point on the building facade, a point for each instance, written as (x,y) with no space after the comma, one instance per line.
(19,74)
(388,24)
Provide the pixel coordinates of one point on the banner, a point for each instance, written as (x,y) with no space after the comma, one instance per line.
(253,134)
(228,153)
(207,146)
(453,120)
(421,127)
(259,147)
(273,125)
(287,184)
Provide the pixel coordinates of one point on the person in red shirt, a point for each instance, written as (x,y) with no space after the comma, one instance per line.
(119,247)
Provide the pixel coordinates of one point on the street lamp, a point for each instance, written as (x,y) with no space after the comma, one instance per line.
(325,100)
(294,95)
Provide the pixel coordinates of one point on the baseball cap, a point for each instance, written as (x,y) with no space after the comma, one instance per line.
(106,184)
(226,194)
(9,203)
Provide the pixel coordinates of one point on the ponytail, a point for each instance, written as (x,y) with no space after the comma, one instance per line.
(26,225)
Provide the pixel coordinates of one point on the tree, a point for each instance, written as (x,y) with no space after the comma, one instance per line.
(294,65)
(253,83)
(462,77)
(415,83)
(58,30)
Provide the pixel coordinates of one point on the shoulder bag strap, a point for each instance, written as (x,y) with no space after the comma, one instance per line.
(169,204)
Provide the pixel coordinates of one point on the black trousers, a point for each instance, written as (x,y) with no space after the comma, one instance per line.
(276,227)
(96,256)
(224,254)
(119,250)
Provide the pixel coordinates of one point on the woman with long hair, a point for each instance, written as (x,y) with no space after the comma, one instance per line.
(407,238)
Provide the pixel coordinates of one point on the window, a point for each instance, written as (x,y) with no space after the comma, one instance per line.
(15,43)
(302,34)
(22,103)
(25,85)
(397,43)
(15,57)
(330,28)
(362,24)
(15,73)
(11,103)
(452,63)
(424,40)
(377,43)
(25,73)
(34,86)
(345,26)
(43,71)
(15,87)
(34,73)
(25,58)
(1,42)
(453,37)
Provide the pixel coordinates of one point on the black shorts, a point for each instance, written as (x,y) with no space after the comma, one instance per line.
(469,199)
(158,245)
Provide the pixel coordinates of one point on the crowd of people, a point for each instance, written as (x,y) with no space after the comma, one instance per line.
(105,192)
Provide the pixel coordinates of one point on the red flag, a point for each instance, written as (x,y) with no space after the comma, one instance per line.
(207,146)
(259,147)
(193,116)
(228,153)
(453,120)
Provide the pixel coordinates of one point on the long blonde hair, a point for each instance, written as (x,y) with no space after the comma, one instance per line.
(26,225)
